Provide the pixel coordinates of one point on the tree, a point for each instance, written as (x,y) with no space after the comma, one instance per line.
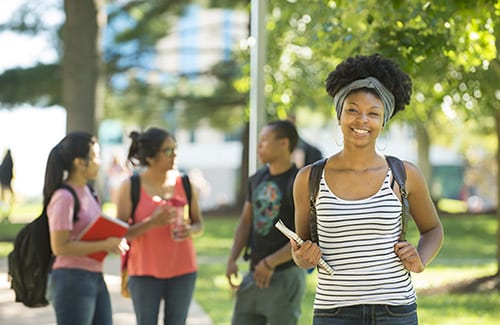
(82,88)
(441,44)
(77,81)
(479,95)
(73,82)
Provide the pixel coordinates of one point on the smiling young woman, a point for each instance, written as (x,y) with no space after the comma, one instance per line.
(359,206)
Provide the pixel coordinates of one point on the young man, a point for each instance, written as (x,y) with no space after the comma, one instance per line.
(272,291)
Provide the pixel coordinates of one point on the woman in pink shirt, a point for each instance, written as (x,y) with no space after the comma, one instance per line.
(76,287)
(160,265)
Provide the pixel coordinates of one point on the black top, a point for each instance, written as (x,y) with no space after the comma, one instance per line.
(311,153)
(272,199)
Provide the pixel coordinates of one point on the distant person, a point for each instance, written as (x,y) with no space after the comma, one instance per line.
(304,153)
(200,183)
(271,293)
(6,175)
(359,206)
(76,287)
(161,263)
(116,174)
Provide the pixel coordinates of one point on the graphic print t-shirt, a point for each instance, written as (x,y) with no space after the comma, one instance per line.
(272,199)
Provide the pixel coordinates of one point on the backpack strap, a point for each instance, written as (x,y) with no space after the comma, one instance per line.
(187,189)
(399,173)
(135,188)
(314,179)
(76,201)
(76,207)
(135,191)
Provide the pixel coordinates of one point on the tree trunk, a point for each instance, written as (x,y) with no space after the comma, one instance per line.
(82,94)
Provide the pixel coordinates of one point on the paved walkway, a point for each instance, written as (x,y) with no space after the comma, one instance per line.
(123,314)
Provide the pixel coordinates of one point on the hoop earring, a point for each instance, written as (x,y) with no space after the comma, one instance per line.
(381,148)
(339,142)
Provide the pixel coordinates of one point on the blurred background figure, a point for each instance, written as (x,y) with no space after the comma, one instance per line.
(200,183)
(7,193)
(116,174)
(304,153)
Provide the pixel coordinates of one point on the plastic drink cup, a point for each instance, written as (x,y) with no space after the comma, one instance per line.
(179,224)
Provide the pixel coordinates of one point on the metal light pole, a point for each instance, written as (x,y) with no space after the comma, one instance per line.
(257,60)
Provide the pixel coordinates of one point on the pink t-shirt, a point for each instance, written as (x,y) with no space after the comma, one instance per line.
(155,253)
(60,213)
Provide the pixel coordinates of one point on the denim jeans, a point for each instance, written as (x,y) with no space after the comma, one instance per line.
(79,297)
(367,314)
(278,304)
(147,291)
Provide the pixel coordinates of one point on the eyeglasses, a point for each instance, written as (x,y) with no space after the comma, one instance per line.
(169,152)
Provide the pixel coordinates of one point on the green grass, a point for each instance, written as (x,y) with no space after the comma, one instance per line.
(22,213)
(8,233)
(468,252)
(463,309)
(25,212)
(470,238)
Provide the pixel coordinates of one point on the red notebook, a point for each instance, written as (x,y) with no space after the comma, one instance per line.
(101,228)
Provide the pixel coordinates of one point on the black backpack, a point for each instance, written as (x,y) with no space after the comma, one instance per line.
(399,174)
(30,261)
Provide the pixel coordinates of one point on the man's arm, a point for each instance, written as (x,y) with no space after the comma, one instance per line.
(282,255)
(240,241)
(265,268)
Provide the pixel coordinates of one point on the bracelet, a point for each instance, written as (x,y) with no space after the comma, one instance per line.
(266,264)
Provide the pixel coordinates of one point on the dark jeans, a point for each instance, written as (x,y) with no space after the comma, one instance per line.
(79,297)
(147,292)
(367,314)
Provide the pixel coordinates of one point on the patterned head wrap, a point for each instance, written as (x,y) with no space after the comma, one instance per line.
(369,82)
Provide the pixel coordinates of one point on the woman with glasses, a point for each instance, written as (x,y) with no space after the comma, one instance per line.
(76,287)
(162,259)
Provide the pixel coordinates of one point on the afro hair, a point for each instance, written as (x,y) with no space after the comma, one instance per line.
(385,70)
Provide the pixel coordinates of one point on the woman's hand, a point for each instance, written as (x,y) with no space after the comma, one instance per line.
(182,231)
(307,255)
(408,254)
(163,215)
(115,245)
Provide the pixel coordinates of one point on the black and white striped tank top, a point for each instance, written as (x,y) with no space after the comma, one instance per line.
(357,238)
